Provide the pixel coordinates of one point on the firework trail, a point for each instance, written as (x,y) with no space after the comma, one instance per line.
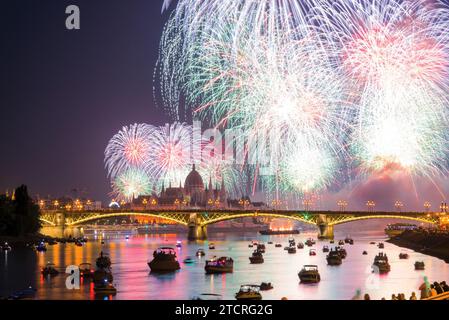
(395,53)
(130,184)
(129,148)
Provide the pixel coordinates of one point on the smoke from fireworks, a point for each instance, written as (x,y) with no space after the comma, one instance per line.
(130,184)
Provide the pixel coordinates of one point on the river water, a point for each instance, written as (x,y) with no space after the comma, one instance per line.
(20,268)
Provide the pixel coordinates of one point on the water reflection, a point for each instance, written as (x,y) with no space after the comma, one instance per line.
(133,280)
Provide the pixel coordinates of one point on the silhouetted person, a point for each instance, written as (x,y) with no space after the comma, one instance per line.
(438,288)
(444,286)
(367,297)
(413,296)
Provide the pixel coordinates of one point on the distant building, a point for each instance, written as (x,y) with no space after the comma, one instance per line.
(193,194)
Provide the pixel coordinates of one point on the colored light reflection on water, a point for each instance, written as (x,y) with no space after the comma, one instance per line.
(133,279)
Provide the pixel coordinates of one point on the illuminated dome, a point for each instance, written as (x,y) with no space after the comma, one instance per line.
(194,181)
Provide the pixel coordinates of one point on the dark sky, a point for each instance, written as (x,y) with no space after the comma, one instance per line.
(65,93)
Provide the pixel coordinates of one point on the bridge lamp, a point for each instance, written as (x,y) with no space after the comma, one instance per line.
(427,206)
(398,205)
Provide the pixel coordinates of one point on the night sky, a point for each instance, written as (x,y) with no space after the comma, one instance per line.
(65,93)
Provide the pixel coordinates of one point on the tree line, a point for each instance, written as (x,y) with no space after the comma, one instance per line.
(19,215)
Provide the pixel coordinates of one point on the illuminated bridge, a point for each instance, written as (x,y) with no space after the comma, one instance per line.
(197,220)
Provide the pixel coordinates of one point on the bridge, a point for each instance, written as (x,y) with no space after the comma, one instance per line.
(197,220)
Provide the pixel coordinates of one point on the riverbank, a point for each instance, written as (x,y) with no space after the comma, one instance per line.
(432,243)
(24,241)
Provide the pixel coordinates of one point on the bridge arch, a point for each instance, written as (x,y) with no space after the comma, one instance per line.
(357,218)
(172,217)
(297,217)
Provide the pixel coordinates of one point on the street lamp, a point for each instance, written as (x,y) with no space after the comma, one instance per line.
(370,204)
(427,206)
(443,207)
(398,205)
(342,204)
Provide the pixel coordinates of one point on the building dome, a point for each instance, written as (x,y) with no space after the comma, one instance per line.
(194,181)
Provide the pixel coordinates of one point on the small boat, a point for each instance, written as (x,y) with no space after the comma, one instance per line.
(264,286)
(200,253)
(349,240)
(86,270)
(341,242)
(103,261)
(309,274)
(291,242)
(278,245)
(291,249)
(325,249)
(6,247)
(126,237)
(286,248)
(41,247)
(261,247)
(312,252)
(403,255)
(49,270)
(211,246)
(300,245)
(256,258)
(189,260)
(250,245)
(105,288)
(342,252)
(178,244)
(381,245)
(52,242)
(249,292)
(310,242)
(25,294)
(78,243)
(84,240)
(270,242)
(334,258)
(372,242)
(164,260)
(381,264)
(220,265)
(103,271)
(332,242)
(419,265)
(364,253)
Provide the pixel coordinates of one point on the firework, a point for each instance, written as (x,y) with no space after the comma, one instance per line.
(130,184)
(396,55)
(128,149)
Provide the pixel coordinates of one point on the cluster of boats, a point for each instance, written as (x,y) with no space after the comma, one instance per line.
(5,247)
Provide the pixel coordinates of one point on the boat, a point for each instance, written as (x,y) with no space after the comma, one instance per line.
(200,253)
(300,245)
(403,255)
(419,265)
(334,258)
(396,229)
(372,242)
(325,249)
(52,242)
(278,245)
(164,260)
(261,247)
(86,270)
(291,242)
(256,258)
(49,270)
(103,261)
(211,246)
(291,249)
(381,245)
(341,243)
(220,265)
(178,244)
(309,274)
(270,232)
(105,288)
(364,253)
(310,242)
(78,243)
(250,245)
(41,247)
(264,286)
(342,252)
(270,242)
(26,294)
(103,271)
(312,252)
(349,240)
(6,247)
(189,260)
(249,292)
(381,264)
(331,241)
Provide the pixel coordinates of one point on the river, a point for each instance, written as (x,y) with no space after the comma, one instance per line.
(20,268)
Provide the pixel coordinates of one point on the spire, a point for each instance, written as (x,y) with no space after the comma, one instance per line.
(193,167)
(180,185)
(163,188)
(169,184)
(210,182)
